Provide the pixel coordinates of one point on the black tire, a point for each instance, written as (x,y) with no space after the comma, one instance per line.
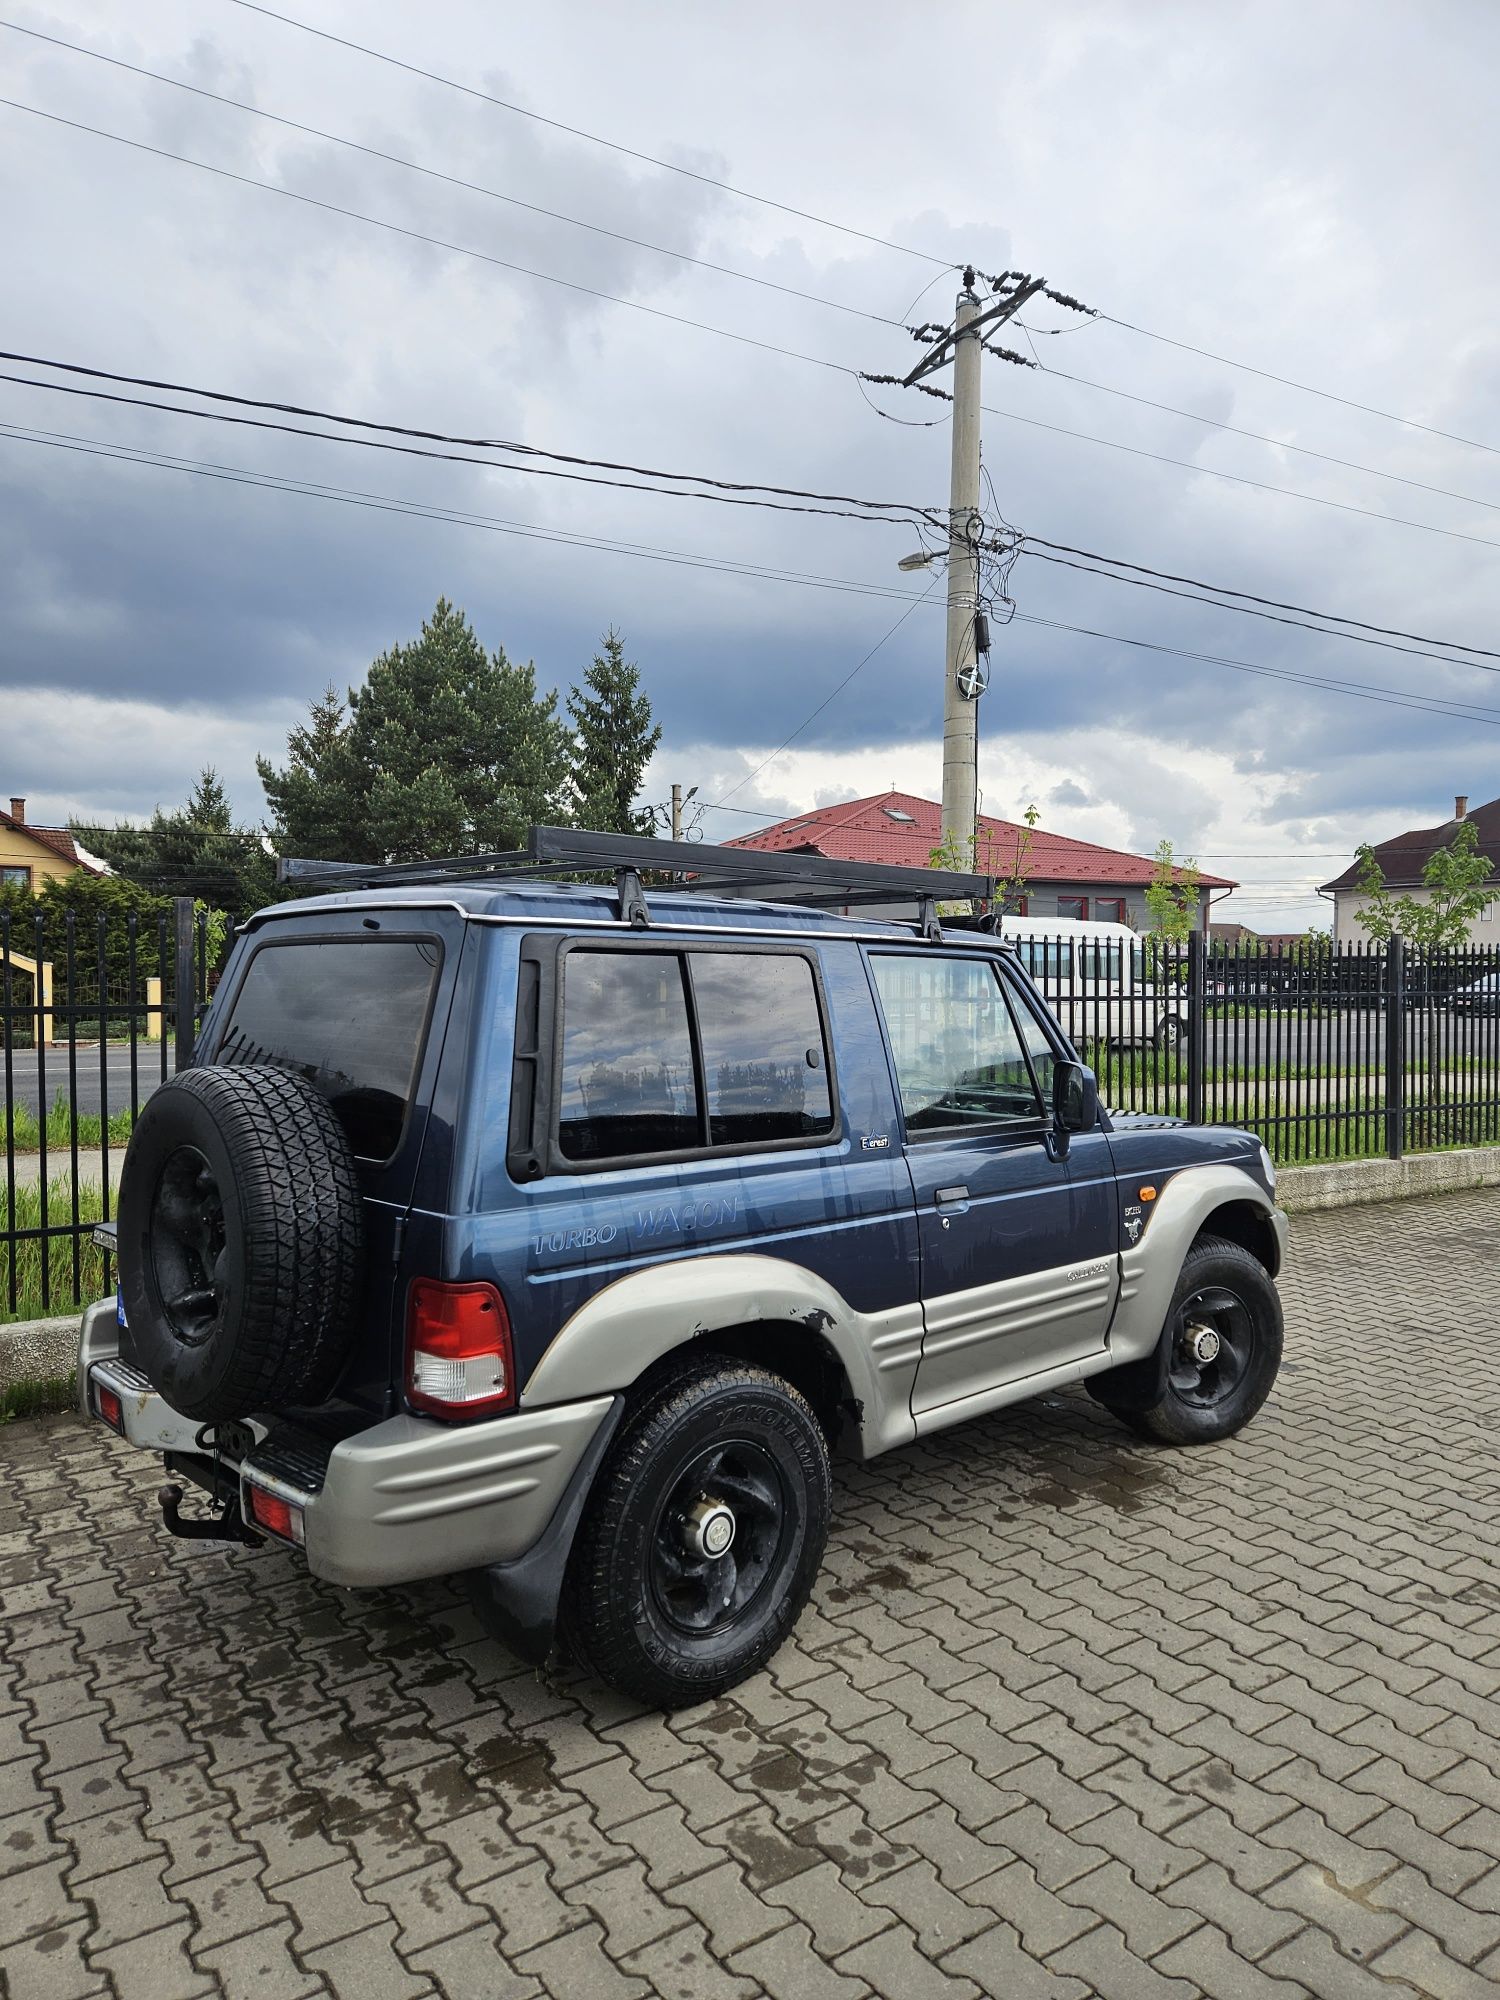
(1226,1290)
(643,1606)
(241,1237)
(1171,1033)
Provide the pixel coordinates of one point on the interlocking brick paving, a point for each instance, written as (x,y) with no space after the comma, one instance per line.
(1070,1714)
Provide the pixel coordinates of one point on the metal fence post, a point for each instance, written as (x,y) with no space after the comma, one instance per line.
(185,984)
(1197,1023)
(1395,1047)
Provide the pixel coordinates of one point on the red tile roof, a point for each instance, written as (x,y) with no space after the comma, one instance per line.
(57,838)
(865,830)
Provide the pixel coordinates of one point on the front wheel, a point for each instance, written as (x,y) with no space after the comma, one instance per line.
(1171,1032)
(703,1535)
(1223,1338)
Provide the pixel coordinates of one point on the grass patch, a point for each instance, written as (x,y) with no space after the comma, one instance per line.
(23,1128)
(23,1260)
(38,1399)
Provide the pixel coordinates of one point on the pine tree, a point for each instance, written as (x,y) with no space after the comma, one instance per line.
(454,749)
(613,742)
(316,799)
(196,851)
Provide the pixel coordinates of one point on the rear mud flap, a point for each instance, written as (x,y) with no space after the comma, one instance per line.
(517,1602)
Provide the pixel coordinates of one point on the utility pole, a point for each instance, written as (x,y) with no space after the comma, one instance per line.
(965,524)
(962,683)
(677,812)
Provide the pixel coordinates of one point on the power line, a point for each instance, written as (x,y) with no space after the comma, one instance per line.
(1306,388)
(594,138)
(1250,611)
(886,243)
(417,235)
(1276,603)
(891,512)
(450,180)
(1238,479)
(910,511)
(455,517)
(1358,690)
(1259,437)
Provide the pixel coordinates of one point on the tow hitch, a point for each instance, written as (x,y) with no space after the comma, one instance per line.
(225,1525)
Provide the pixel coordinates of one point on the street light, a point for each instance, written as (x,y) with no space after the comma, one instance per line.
(923,559)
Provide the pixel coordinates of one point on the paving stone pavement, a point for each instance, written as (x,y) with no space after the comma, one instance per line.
(1070,1715)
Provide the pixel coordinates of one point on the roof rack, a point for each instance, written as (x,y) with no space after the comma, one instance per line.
(814,879)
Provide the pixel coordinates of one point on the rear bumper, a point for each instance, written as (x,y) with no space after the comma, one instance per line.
(406,1499)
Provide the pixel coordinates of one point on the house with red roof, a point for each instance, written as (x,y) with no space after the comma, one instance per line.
(1063,877)
(31,855)
(1403,861)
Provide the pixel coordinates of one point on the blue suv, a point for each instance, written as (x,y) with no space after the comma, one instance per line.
(557,1234)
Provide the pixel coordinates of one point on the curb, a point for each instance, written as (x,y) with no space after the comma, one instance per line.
(1347,1183)
(36,1359)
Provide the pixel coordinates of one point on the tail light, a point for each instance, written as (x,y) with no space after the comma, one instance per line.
(108,1405)
(278,1516)
(459,1361)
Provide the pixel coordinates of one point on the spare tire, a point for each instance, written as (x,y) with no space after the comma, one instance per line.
(241,1233)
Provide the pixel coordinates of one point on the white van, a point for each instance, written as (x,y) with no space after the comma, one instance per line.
(1096,979)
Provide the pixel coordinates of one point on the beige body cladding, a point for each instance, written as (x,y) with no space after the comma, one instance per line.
(640,1318)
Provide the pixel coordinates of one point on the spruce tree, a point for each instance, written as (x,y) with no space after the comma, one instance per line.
(316,798)
(613,742)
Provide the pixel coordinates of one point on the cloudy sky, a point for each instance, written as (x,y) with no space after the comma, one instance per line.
(1307,190)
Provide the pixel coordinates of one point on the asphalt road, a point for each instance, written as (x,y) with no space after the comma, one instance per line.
(32,1081)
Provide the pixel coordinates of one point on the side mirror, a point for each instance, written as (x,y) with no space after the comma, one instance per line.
(1075,1097)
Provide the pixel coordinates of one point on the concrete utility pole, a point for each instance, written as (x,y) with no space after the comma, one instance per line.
(962,344)
(677,812)
(965,523)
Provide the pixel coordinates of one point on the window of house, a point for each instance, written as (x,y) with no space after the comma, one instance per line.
(15,878)
(959,1058)
(1073,906)
(895,812)
(1109,909)
(635,1081)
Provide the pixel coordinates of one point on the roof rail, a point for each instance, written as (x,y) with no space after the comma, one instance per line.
(815,879)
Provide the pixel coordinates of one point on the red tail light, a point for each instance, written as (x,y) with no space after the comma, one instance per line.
(107,1403)
(459,1361)
(278,1516)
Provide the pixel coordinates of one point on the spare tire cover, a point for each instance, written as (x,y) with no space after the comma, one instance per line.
(240,1247)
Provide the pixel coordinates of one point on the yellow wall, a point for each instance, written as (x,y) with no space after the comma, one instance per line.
(19,850)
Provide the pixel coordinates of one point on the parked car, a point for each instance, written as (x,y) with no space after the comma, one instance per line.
(555,1235)
(1480,996)
(1102,982)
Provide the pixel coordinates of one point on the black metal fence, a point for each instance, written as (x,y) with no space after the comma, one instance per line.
(90,1023)
(1371,1049)
(1327,1055)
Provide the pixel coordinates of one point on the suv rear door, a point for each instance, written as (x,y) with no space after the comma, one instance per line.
(1018,1248)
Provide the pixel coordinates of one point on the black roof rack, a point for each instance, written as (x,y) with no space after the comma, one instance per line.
(814,879)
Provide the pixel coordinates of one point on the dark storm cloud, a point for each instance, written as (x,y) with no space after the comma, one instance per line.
(1170,166)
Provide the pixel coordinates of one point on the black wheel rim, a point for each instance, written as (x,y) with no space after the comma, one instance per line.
(696,1590)
(1212,1347)
(187,1239)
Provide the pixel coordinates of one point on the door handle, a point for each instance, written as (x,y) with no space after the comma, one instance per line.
(950,1197)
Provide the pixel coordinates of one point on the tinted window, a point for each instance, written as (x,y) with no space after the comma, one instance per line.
(959,1059)
(627,1081)
(764,1064)
(348,1014)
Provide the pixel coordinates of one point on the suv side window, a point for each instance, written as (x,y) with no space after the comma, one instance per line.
(959,1058)
(763,1061)
(627,1082)
(676,1052)
(1038,1047)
